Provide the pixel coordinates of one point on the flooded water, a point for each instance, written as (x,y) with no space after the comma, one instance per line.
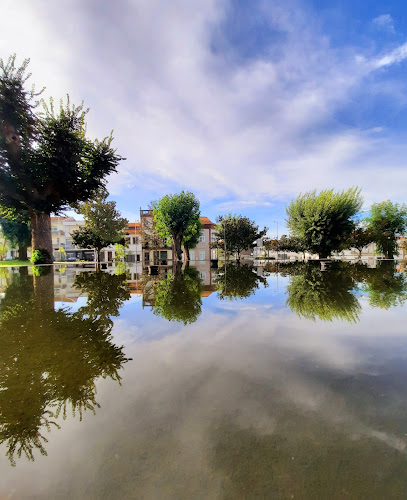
(281,381)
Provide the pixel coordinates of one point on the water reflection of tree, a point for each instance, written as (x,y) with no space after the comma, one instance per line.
(178,297)
(237,281)
(49,362)
(106,294)
(385,287)
(325,295)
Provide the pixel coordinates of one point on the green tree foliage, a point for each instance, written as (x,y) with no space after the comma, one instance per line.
(233,281)
(104,225)
(18,234)
(386,221)
(384,286)
(326,295)
(46,161)
(175,217)
(178,297)
(106,295)
(50,359)
(271,245)
(359,238)
(192,235)
(239,232)
(323,222)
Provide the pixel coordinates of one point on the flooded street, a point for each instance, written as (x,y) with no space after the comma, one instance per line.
(281,381)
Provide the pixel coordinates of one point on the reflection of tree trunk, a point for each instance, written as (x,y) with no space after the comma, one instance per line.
(22,253)
(44,290)
(41,238)
(23,270)
(177,268)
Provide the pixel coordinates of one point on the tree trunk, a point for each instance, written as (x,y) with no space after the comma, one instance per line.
(177,247)
(41,238)
(22,253)
(186,252)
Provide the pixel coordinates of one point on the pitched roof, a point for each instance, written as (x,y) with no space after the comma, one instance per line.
(205,221)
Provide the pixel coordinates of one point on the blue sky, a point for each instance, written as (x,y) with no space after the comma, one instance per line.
(245,103)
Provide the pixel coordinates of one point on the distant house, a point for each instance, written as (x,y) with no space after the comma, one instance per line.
(203,250)
(155,250)
(63,248)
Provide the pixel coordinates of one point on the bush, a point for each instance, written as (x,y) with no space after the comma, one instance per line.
(40,257)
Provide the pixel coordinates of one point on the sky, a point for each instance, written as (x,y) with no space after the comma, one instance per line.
(246,103)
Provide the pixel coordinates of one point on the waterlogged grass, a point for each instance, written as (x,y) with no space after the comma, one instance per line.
(11,263)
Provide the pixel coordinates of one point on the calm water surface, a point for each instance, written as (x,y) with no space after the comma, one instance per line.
(273,382)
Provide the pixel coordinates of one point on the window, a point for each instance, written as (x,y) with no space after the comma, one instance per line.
(202,237)
(134,241)
(201,254)
(203,275)
(192,254)
(138,257)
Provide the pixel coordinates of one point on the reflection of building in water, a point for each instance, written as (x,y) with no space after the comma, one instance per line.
(134,273)
(149,283)
(64,277)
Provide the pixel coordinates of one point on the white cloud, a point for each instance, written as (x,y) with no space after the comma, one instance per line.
(384,22)
(186,115)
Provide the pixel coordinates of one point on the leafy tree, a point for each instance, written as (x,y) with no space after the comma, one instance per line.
(175,217)
(46,161)
(386,221)
(323,222)
(359,238)
(50,359)
(178,297)
(326,295)
(192,235)
(103,224)
(237,282)
(3,249)
(18,234)
(272,245)
(240,233)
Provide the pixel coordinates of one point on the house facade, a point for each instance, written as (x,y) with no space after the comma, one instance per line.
(62,246)
(203,250)
(155,250)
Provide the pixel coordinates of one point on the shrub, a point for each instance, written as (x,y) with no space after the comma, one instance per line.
(40,257)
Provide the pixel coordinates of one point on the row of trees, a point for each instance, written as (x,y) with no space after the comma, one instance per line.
(319,223)
(326,222)
(177,220)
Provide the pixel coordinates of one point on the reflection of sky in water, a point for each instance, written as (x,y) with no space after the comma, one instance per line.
(249,398)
